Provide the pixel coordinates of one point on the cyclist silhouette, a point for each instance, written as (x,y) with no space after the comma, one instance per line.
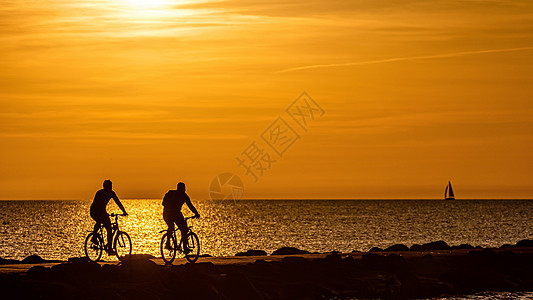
(99,212)
(172,203)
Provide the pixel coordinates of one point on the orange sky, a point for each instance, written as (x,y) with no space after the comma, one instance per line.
(148,93)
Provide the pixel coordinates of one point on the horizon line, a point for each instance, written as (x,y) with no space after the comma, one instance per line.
(282,199)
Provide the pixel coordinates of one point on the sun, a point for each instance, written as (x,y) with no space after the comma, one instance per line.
(147,4)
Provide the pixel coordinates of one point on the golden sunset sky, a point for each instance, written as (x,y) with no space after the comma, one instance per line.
(149,93)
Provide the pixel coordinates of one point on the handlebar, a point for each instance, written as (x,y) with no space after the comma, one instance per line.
(116,215)
(187,218)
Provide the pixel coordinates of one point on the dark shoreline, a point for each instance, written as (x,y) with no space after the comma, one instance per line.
(387,274)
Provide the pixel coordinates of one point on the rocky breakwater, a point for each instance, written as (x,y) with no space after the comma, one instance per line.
(298,276)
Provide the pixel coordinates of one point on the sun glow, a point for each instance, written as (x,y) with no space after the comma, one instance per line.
(151,11)
(148,4)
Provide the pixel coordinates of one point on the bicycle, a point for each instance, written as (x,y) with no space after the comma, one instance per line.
(193,243)
(121,242)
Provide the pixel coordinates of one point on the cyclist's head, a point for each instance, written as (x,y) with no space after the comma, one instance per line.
(181,187)
(108,185)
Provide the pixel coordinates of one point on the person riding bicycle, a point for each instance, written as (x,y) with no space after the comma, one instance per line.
(99,212)
(172,203)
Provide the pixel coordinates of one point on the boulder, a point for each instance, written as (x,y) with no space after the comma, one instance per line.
(294,262)
(78,259)
(525,243)
(333,258)
(4,261)
(462,246)
(416,247)
(75,270)
(375,249)
(140,269)
(397,247)
(238,286)
(252,253)
(33,259)
(37,271)
(373,261)
(438,245)
(137,256)
(289,251)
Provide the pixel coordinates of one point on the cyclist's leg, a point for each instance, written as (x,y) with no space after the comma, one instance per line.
(170,223)
(107,224)
(182,225)
(95,228)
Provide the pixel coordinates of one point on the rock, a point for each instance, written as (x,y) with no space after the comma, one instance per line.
(333,258)
(373,261)
(507,246)
(4,261)
(37,271)
(349,259)
(438,245)
(252,253)
(137,294)
(289,251)
(294,262)
(397,247)
(428,287)
(481,254)
(416,247)
(525,243)
(138,263)
(261,262)
(137,256)
(33,259)
(462,246)
(395,262)
(375,249)
(205,267)
(238,286)
(78,259)
(141,269)
(75,270)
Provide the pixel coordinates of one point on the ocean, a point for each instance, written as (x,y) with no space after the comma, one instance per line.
(57,229)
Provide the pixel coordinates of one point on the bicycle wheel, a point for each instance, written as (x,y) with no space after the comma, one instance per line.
(122,244)
(168,253)
(194,245)
(93,251)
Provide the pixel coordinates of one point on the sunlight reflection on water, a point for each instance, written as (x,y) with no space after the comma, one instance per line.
(57,229)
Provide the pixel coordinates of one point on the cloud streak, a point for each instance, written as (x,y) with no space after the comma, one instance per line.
(399,59)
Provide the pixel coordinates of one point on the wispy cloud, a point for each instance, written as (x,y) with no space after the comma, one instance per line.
(405,58)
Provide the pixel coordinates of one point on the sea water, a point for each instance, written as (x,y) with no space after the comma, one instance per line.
(57,229)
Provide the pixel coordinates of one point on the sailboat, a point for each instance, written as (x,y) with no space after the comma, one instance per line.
(448,193)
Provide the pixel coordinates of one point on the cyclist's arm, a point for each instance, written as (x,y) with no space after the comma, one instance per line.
(115,197)
(191,207)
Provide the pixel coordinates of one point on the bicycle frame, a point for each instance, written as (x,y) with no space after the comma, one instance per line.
(189,231)
(114,229)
